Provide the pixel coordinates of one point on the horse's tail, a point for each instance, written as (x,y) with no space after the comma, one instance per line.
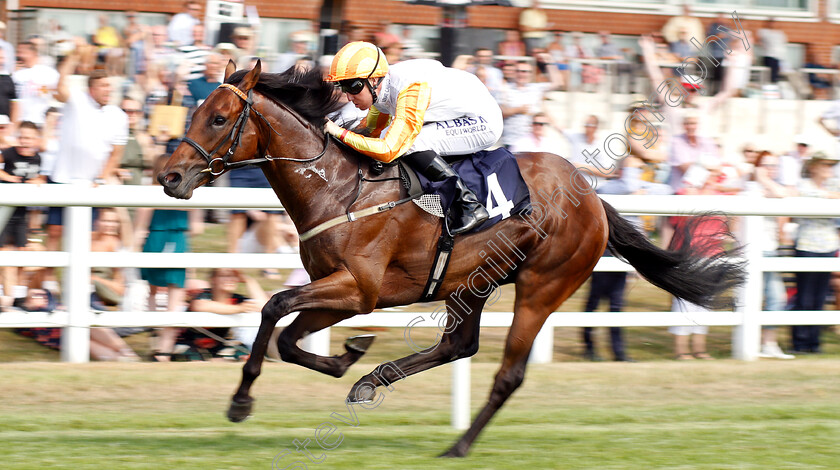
(688,271)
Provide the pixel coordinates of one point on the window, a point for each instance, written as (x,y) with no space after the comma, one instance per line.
(790,5)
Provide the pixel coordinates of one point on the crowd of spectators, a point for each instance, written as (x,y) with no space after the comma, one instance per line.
(110,107)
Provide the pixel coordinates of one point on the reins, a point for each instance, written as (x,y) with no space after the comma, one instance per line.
(235,135)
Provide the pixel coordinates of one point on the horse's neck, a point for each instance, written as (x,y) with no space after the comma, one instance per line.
(311,192)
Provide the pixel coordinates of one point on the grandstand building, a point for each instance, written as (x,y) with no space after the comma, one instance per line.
(811,25)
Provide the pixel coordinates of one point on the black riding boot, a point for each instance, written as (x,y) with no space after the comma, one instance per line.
(466,212)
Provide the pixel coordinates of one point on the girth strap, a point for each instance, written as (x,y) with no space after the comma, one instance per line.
(444,249)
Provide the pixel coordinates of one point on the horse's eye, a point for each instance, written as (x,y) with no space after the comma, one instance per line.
(218,121)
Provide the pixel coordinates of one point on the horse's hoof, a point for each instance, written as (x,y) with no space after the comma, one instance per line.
(355,398)
(239,412)
(454,452)
(359,344)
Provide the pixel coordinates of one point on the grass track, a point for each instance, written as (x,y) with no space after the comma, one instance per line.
(709,415)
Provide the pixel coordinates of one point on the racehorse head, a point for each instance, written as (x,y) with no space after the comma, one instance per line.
(222,133)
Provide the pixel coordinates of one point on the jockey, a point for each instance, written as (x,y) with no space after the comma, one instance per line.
(418,110)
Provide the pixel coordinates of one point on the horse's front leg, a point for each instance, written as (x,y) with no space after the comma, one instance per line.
(337,294)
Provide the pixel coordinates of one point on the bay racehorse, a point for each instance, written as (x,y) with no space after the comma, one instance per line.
(384,260)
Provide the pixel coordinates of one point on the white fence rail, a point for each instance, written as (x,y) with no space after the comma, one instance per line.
(78,260)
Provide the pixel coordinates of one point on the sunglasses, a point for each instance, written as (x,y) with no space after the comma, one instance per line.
(353,86)
(537,123)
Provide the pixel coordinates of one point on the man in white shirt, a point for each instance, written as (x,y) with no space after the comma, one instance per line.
(35,83)
(790,164)
(538,140)
(9,49)
(93,133)
(180,29)
(523,99)
(92,138)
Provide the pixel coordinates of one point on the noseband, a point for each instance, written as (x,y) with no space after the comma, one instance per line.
(235,135)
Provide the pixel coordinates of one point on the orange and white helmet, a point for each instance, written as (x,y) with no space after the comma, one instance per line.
(358,60)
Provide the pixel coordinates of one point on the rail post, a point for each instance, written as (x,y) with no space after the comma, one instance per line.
(746,337)
(75,337)
(461,393)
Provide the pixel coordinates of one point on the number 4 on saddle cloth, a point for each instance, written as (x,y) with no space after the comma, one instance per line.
(494,177)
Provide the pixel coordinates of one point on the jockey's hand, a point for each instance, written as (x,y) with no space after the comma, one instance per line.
(333,128)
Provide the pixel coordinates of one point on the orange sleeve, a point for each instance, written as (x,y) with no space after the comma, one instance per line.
(405,126)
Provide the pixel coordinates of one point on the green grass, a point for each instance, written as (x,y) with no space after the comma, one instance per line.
(706,415)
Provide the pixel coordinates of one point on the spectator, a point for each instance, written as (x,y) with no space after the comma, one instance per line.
(92,140)
(49,142)
(681,98)
(8,94)
(20,164)
(651,142)
(135,35)
(222,299)
(815,238)
(538,139)
(180,28)
(533,27)
(704,234)
(110,43)
(735,68)
(35,84)
(608,50)
(611,286)
(196,54)
(160,53)
(494,78)
(558,49)
(761,182)
(8,52)
(512,46)
(165,231)
(299,48)
(682,47)
(111,233)
(584,144)
(201,87)
(691,151)
(790,164)
(6,138)
(581,73)
(693,26)
(523,99)
(773,43)
(94,133)
(136,160)
(718,53)
(243,39)
(832,113)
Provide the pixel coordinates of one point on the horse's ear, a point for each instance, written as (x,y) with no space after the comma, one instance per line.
(251,78)
(229,69)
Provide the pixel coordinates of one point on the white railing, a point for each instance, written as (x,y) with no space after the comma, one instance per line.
(78,260)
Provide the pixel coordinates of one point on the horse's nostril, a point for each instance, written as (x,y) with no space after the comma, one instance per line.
(169,179)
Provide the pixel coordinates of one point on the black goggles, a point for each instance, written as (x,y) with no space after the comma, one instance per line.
(353,86)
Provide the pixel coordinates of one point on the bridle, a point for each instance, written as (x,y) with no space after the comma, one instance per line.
(234,137)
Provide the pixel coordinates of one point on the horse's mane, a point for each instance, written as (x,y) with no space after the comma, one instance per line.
(302,90)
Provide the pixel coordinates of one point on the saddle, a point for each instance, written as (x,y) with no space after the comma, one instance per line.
(494,177)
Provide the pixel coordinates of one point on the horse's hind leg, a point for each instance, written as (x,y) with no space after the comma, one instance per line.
(460,341)
(535,300)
